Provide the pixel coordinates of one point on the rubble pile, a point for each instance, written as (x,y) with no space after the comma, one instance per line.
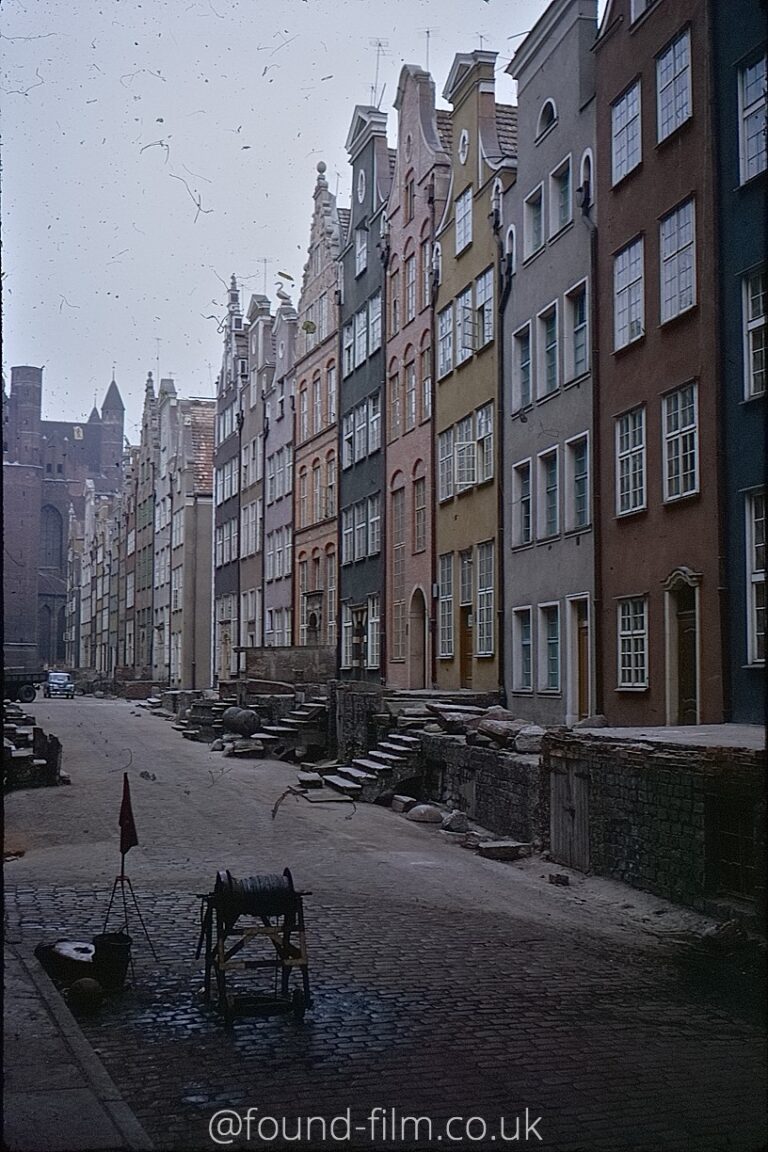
(31,758)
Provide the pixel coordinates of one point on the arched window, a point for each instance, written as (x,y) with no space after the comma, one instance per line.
(51,537)
(547,117)
(586,191)
(510,248)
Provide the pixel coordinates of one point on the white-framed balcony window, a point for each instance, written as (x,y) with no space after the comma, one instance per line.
(445,587)
(632,642)
(348,440)
(374,422)
(549,647)
(361,530)
(484,308)
(361,250)
(361,431)
(756,578)
(317,406)
(522,532)
(410,288)
(464,446)
(444,341)
(361,335)
(681,448)
(755,333)
(410,395)
(484,437)
(521,368)
(534,221)
(374,524)
(628,295)
(347,535)
(463,220)
(445,465)
(522,650)
(465,326)
(330,392)
(560,197)
(630,462)
(752,113)
(626,149)
(673,85)
(576,332)
(677,240)
(577,511)
(317,493)
(348,349)
(548,495)
(346,636)
(373,646)
(485,585)
(549,358)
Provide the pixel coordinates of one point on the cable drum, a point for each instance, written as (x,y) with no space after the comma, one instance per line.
(268,895)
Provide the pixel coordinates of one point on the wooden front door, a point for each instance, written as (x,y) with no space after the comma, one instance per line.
(416,640)
(687,697)
(465,646)
(569,816)
(582,658)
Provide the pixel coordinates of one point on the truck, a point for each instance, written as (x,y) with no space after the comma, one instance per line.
(22,672)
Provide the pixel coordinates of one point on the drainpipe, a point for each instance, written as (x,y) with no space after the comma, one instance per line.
(434,285)
(339,466)
(384,254)
(240,419)
(504,288)
(194,582)
(597,615)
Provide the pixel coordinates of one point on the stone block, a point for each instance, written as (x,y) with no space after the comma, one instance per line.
(403,803)
(456,822)
(529,738)
(425,814)
(504,849)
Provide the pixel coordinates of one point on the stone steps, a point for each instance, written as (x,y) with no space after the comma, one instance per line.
(342,784)
(386,757)
(358,775)
(368,765)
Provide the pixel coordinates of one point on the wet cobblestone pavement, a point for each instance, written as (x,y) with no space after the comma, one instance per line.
(433,1014)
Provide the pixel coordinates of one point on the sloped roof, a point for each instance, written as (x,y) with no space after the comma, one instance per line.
(445,129)
(506,128)
(113,401)
(202,446)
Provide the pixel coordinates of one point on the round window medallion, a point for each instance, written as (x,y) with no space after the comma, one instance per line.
(361,186)
(463,146)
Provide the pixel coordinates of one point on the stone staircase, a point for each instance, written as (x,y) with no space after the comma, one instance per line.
(303,729)
(380,770)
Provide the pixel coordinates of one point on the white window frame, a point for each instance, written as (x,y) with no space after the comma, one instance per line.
(547,644)
(463,219)
(445,341)
(409,270)
(543,351)
(522,389)
(361,250)
(572,445)
(674,88)
(330,391)
(677,260)
(522,504)
(755,327)
(361,431)
(522,677)
(374,524)
(373,619)
(534,199)
(632,644)
(445,591)
(557,222)
(348,439)
(755,524)
(484,308)
(484,438)
(347,535)
(626,133)
(465,466)
(420,514)
(542,490)
(361,529)
(680,441)
(629,294)
(573,330)
(348,349)
(445,465)
(346,636)
(360,321)
(485,584)
(409,373)
(374,322)
(634,454)
(374,422)
(749,109)
(464,319)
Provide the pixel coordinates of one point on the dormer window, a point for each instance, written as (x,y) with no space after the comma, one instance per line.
(547,118)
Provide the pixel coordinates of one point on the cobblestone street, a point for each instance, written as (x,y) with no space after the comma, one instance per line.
(445,985)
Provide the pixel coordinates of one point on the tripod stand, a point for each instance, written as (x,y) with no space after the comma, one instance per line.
(124,882)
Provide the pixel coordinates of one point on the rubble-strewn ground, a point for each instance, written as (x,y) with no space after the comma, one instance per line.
(445,984)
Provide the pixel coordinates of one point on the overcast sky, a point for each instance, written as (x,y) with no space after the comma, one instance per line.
(152,149)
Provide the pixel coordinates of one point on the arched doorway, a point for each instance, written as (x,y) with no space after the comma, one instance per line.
(417,646)
(682,644)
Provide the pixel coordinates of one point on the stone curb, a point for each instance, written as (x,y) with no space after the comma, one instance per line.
(94,1072)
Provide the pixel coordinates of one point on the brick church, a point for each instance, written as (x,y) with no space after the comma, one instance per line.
(45,466)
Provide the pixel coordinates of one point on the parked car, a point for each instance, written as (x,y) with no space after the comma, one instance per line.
(59,684)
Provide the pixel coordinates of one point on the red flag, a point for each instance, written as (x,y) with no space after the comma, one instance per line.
(128,835)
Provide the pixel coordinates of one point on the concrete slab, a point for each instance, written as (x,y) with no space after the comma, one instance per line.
(694,735)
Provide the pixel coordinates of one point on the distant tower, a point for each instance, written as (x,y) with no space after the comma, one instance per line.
(27,403)
(112,421)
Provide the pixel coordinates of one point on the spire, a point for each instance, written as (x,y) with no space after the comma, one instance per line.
(149,387)
(113,401)
(94,417)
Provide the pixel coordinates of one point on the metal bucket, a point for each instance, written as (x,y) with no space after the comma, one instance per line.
(111,957)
